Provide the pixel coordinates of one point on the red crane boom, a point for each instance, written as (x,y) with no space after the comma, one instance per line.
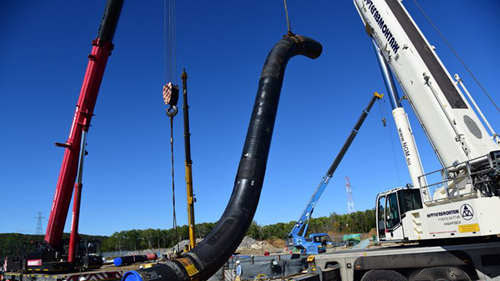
(101,50)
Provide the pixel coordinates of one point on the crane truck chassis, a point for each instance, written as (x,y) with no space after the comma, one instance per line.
(470,261)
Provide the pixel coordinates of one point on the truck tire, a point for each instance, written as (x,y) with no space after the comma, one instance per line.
(443,273)
(383,275)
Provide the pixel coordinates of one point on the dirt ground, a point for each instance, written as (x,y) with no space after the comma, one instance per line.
(250,246)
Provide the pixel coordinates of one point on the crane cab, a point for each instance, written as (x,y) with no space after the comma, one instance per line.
(391,209)
(403,215)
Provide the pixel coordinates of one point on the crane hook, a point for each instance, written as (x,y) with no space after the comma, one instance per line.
(172,111)
(170,97)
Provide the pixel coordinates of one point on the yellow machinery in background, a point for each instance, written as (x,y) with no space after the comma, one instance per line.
(189,172)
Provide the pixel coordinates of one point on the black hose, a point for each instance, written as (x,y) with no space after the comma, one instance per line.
(209,255)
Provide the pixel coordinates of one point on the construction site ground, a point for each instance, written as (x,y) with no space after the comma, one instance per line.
(106,273)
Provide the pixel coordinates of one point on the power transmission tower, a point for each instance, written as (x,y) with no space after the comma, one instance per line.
(350,202)
(39,227)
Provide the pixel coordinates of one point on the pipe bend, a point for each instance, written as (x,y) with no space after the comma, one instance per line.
(210,254)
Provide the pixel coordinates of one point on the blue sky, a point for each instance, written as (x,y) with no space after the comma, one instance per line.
(223,45)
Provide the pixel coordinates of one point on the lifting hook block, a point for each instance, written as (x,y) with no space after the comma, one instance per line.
(172,111)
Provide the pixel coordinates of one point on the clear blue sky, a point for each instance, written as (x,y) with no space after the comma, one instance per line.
(223,45)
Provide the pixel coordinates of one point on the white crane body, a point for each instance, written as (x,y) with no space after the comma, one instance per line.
(410,151)
(425,221)
(403,127)
(464,203)
(445,114)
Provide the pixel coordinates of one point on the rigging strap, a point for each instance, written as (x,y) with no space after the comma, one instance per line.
(289,28)
(170,97)
(174,218)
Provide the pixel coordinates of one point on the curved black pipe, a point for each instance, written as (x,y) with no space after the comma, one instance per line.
(209,255)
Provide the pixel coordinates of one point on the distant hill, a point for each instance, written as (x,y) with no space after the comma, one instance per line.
(357,222)
(139,239)
(17,243)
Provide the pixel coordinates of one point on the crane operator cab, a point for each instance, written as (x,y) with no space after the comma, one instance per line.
(467,208)
(392,206)
(322,239)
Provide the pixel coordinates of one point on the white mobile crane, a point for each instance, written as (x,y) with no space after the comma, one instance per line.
(463,202)
(439,231)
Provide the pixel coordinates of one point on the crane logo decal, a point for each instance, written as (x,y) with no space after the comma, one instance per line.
(406,149)
(383,27)
(466,212)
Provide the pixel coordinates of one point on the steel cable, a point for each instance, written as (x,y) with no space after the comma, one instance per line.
(455,53)
(174,217)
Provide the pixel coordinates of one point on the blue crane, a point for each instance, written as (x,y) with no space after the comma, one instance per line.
(316,242)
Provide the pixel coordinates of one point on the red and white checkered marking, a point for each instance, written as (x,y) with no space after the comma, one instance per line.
(167,92)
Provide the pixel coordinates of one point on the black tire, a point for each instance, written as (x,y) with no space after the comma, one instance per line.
(444,273)
(383,275)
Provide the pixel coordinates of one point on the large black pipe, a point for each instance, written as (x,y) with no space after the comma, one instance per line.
(209,255)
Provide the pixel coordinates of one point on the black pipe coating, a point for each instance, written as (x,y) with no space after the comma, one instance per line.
(209,255)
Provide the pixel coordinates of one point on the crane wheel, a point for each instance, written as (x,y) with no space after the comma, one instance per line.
(443,273)
(383,275)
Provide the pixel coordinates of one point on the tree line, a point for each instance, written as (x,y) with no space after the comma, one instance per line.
(135,239)
(17,244)
(357,222)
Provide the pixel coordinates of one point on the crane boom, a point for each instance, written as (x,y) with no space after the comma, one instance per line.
(460,204)
(188,164)
(445,114)
(101,50)
(299,230)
